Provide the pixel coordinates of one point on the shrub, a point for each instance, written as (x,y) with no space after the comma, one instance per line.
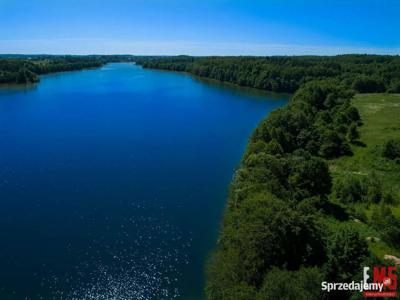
(391,149)
(304,284)
(382,219)
(372,189)
(349,189)
(352,189)
(346,251)
(394,87)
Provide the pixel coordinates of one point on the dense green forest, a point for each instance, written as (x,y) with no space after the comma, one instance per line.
(363,73)
(315,197)
(22,69)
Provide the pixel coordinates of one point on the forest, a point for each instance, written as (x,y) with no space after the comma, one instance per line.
(316,195)
(23,69)
(363,73)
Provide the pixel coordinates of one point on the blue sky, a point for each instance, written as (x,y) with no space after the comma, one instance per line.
(200,27)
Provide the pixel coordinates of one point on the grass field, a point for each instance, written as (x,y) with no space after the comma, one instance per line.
(380,114)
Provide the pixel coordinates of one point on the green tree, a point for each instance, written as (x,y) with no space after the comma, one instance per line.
(346,251)
(391,149)
(304,284)
(309,176)
(265,232)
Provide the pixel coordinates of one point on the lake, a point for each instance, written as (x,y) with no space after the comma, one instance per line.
(113,181)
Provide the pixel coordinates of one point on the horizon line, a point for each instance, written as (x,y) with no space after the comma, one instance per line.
(180,47)
(192,55)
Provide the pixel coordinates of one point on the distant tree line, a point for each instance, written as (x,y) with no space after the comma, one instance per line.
(26,69)
(277,240)
(363,73)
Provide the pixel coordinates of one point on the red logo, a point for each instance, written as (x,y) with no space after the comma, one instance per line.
(386,276)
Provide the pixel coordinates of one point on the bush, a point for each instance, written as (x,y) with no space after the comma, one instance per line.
(388,198)
(391,149)
(349,189)
(346,251)
(383,220)
(352,189)
(394,87)
(372,188)
(304,284)
(358,212)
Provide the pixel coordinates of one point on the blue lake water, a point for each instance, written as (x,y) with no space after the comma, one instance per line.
(113,181)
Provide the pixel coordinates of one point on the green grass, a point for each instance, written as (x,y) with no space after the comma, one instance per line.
(380,114)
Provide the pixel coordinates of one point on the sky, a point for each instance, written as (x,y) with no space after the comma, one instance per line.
(200,27)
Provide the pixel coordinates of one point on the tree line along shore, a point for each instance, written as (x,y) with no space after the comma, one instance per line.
(25,69)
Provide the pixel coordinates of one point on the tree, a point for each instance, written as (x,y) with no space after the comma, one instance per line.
(309,176)
(346,251)
(304,284)
(391,149)
(265,232)
(333,144)
(394,86)
(368,84)
(364,73)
